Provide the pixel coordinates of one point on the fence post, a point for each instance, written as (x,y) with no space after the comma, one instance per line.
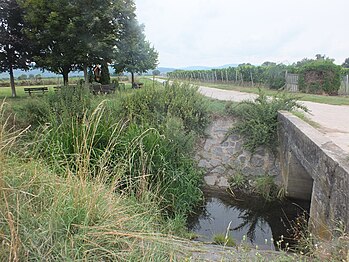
(251,77)
(347,85)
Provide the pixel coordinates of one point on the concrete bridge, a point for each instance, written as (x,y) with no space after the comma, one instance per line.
(314,168)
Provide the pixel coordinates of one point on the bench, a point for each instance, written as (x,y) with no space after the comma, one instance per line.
(31,90)
(103,89)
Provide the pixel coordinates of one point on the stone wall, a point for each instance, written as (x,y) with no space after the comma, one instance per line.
(222,159)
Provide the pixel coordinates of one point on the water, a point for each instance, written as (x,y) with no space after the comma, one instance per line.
(248,220)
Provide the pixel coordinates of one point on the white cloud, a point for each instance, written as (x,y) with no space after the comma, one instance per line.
(217,32)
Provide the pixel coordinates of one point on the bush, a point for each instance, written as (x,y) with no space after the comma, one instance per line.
(320,76)
(153,105)
(144,148)
(258,119)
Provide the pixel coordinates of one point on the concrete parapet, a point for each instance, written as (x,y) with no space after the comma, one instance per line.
(312,166)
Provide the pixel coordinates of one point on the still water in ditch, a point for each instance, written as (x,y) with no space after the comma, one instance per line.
(248,220)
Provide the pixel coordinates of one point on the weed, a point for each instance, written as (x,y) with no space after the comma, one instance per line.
(306,119)
(258,119)
(265,186)
(238,181)
(224,240)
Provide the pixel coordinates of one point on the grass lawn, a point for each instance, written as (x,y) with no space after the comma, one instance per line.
(5,92)
(331,100)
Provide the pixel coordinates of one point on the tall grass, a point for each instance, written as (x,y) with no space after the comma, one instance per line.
(72,217)
(143,143)
(46,217)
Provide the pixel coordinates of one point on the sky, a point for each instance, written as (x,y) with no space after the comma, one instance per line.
(219,32)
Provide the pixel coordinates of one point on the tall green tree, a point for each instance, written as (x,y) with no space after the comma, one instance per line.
(14,45)
(135,54)
(73,35)
(105,75)
(346,63)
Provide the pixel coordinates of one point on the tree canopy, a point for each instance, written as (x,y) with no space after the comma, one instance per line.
(72,35)
(346,63)
(135,54)
(15,52)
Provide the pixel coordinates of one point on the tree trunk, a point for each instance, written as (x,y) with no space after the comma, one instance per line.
(132,78)
(12,82)
(65,73)
(85,74)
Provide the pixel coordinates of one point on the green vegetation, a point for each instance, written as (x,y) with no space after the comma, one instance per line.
(224,240)
(316,76)
(135,54)
(238,181)
(105,180)
(320,76)
(258,123)
(324,99)
(263,186)
(15,47)
(64,36)
(69,218)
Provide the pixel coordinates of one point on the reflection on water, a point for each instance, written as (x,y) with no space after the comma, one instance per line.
(258,222)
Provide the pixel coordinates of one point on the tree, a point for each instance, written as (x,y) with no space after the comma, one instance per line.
(14,45)
(71,35)
(135,55)
(105,76)
(267,63)
(156,72)
(346,63)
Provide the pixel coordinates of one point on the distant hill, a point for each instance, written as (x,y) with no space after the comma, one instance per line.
(208,67)
(228,65)
(163,70)
(35,72)
(196,68)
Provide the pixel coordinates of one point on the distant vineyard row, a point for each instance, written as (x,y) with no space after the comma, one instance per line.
(268,74)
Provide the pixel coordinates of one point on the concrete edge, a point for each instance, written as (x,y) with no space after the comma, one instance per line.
(325,144)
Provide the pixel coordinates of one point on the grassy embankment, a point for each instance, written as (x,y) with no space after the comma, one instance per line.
(99,180)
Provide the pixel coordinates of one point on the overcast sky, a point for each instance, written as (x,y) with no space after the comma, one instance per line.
(218,32)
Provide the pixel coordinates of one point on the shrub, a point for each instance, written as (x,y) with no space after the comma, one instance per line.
(258,119)
(320,76)
(105,76)
(153,105)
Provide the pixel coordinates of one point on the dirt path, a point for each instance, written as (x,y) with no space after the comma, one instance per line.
(333,120)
